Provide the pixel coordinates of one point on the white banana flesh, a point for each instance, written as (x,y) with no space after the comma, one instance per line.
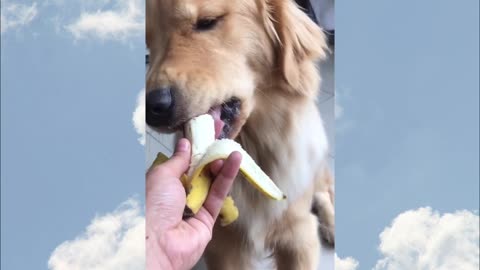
(201,133)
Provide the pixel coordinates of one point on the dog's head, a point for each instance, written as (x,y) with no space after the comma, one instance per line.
(214,56)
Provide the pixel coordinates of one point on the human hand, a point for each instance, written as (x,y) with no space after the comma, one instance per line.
(171,242)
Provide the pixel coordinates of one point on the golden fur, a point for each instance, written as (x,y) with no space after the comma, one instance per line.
(262,52)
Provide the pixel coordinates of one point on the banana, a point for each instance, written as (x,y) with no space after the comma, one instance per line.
(197,192)
(228,212)
(200,131)
(205,149)
(161,158)
(221,149)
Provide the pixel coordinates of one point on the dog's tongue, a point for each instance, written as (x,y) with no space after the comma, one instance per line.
(215,112)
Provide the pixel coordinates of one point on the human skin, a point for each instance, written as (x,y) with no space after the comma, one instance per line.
(171,242)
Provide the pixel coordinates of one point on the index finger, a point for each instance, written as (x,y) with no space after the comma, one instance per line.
(222,184)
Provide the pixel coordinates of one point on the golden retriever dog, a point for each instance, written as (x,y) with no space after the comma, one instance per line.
(251,65)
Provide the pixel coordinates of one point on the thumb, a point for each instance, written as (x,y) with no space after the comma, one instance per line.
(179,162)
(165,195)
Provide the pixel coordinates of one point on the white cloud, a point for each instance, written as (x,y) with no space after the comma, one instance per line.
(139,117)
(417,239)
(125,20)
(423,239)
(338,109)
(340,94)
(14,16)
(84,4)
(114,241)
(348,263)
(343,123)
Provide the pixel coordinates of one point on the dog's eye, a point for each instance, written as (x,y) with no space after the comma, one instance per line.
(206,24)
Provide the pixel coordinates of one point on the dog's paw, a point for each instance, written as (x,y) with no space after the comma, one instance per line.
(323,208)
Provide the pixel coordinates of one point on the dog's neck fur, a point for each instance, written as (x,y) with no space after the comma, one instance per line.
(269,129)
(275,135)
(266,132)
(285,136)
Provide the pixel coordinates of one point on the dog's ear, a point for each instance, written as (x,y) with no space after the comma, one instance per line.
(298,39)
(150,7)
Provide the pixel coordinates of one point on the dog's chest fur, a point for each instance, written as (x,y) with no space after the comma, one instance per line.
(291,149)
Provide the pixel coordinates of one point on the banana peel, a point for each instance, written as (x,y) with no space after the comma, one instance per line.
(161,158)
(198,194)
(228,212)
(221,149)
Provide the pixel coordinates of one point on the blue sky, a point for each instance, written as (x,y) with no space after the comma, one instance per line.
(406,80)
(68,147)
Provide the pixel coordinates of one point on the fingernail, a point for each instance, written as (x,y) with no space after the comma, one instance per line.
(183,145)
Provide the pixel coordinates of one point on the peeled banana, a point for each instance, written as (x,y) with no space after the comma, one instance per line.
(205,149)
(200,131)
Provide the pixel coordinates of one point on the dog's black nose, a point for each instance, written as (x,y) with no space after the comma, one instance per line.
(159,107)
